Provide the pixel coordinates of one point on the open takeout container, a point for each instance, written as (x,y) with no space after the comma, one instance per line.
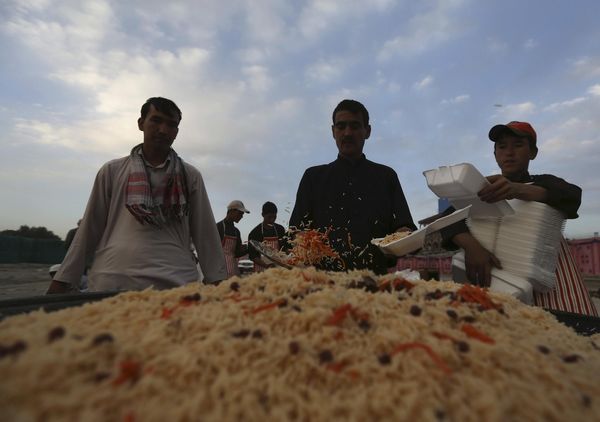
(49,303)
(401,247)
(460,183)
(416,239)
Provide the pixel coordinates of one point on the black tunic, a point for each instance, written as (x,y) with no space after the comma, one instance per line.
(359,201)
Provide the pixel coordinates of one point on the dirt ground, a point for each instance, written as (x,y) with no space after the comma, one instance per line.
(26,280)
(23,280)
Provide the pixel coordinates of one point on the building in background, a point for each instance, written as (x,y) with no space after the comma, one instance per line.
(587,254)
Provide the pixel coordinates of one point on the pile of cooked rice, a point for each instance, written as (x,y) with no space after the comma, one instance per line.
(299,345)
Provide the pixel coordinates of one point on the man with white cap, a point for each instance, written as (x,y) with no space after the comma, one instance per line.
(231,239)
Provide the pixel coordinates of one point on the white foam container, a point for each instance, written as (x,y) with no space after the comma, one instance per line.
(460,184)
(502,281)
(416,239)
(406,245)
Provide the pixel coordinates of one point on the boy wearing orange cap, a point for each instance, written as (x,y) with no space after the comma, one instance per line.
(515,145)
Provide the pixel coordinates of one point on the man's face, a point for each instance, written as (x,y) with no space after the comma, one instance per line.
(160,130)
(350,133)
(237,215)
(269,218)
(513,155)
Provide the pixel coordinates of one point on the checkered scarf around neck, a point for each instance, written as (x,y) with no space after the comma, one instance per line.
(172,205)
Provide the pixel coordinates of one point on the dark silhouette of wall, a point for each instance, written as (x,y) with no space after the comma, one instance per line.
(15,249)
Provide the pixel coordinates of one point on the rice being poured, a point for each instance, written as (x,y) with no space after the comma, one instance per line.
(299,345)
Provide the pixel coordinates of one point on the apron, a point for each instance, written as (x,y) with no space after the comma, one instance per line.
(229,244)
(570,293)
(271,242)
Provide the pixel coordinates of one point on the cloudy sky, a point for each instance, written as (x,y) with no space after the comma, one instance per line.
(257,81)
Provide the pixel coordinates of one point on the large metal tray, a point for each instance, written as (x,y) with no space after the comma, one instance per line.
(49,303)
(583,324)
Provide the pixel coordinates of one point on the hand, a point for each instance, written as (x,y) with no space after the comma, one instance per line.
(478,265)
(58,287)
(267,264)
(499,189)
(261,262)
(403,229)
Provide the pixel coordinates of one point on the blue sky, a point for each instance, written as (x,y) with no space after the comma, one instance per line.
(257,81)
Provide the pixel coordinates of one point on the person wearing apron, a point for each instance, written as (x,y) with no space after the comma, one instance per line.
(515,146)
(231,239)
(269,233)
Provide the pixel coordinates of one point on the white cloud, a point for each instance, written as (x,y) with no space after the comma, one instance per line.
(564,104)
(519,111)
(394,87)
(587,67)
(31,5)
(424,31)
(320,16)
(265,20)
(458,99)
(530,44)
(324,71)
(595,89)
(567,137)
(253,55)
(389,85)
(258,78)
(496,46)
(423,83)
(106,135)
(70,30)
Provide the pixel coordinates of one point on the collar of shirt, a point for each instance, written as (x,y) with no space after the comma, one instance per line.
(228,223)
(350,163)
(160,166)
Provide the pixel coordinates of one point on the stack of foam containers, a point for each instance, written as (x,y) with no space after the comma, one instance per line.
(524,235)
(526,243)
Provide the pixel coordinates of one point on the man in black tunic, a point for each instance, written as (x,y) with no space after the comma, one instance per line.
(356,199)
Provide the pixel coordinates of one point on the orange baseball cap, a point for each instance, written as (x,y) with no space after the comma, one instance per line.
(520,129)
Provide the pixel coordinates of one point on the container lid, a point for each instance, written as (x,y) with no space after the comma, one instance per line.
(460,184)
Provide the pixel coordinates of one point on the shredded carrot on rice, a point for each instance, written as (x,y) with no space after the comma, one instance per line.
(474,294)
(310,247)
(268,306)
(434,356)
(473,332)
(130,371)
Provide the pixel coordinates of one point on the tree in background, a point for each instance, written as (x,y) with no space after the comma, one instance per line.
(31,232)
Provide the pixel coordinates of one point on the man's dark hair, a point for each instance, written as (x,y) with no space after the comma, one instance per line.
(354,107)
(269,208)
(164,105)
